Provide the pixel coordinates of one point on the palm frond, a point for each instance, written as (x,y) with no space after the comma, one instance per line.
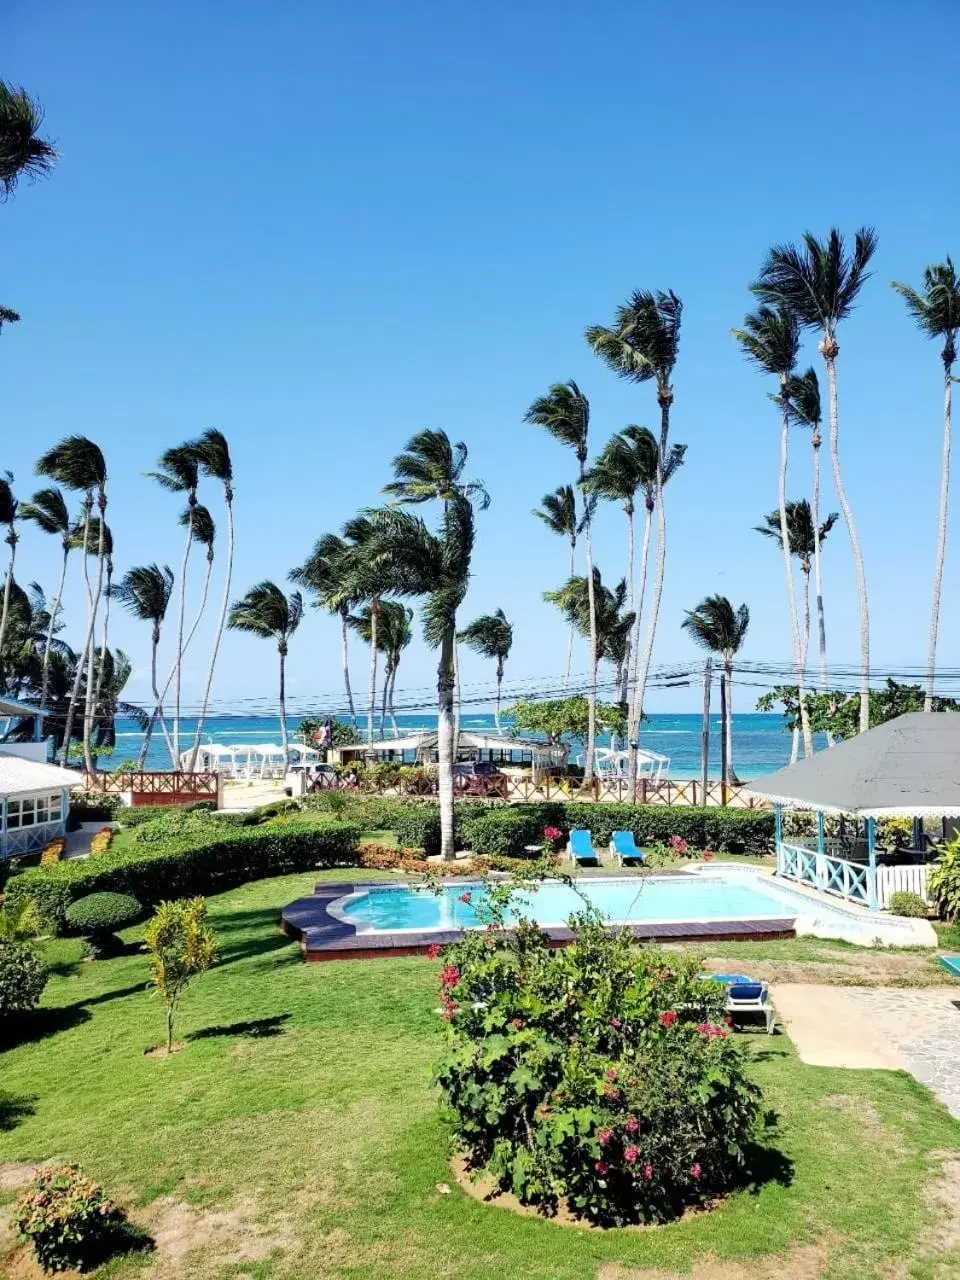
(23,153)
(936,308)
(558,511)
(201,522)
(213,454)
(803,400)
(48,510)
(266,611)
(565,412)
(490,635)
(819,280)
(178,469)
(8,316)
(145,591)
(76,463)
(644,339)
(715,625)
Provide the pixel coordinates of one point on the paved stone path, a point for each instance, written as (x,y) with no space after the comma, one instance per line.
(870,1027)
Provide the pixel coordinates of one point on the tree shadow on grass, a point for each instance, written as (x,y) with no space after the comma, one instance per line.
(254,1029)
(28,1028)
(765,1165)
(15,1107)
(255,947)
(227,921)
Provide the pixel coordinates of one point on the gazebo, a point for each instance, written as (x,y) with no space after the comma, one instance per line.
(908,767)
(34,803)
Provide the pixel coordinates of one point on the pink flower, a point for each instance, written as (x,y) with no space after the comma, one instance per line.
(615,1023)
(632,1125)
(449,975)
(710,1032)
(695,1172)
(611,1074)
(604,1136)
(667,1019)
(612,1092)
(516,1022)
(707,855)
(648,1171)
(630,1155)
(449,1012)
(678,845)
(466,897)
(433,951)
(552,833)
(601,1167)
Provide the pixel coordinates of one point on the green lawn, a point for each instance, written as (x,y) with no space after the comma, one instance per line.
(297,1135)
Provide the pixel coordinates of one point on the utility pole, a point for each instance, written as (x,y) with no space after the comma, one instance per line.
(705,733)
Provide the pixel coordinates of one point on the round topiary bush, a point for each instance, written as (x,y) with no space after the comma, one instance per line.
(23,975)
(598,1076)
(904,903)
(99,915)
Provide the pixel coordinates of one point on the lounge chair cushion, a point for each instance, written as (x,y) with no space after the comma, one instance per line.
(581,844)
(625,845)
(727,979)
(746,991)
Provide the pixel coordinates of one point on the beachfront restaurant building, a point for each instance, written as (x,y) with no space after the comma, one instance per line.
(472,747)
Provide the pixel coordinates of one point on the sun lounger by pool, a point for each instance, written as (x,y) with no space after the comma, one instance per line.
(952,963)
(624,847)
(580,847)
(745,996)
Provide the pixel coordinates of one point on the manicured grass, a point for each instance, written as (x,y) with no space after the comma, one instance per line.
(297,1134)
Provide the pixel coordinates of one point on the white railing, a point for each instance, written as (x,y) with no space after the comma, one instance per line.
(823,871)
(908,879)
(21,840)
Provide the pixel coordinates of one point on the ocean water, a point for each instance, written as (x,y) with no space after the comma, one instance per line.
(760,743)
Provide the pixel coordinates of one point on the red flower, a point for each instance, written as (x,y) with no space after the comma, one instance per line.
(632,1125)
(630,1155)
(728,1019)
(449,1012)
(710,1032)
(604,1136)
(615,1023)
(612,1092)
(695,1172)
(668,1019)
(466,897)
(611,1074)
(648,1171)
(552,833)
(601,1167)
(516,1022)
(433,951)
(449,975)
(707,855)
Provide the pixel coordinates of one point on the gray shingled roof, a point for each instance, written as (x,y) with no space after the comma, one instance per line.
(908,766)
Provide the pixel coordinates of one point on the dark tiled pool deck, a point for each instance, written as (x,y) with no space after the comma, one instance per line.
(324,937)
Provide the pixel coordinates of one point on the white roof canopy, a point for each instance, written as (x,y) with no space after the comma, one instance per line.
(19,775)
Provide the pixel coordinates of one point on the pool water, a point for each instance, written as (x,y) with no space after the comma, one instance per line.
(390,908)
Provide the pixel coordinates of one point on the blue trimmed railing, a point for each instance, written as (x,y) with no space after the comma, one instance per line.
(826,872)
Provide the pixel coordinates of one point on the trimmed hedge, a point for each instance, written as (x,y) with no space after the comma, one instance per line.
(181,868)
(502,833)
(418,827)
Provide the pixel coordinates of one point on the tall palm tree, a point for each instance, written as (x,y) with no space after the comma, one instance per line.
(715,625)
(431,467)
(614,621)
(805,539)
(47,509)
(78,464)
(490,635)
(394,633)
(770,339)
(819,281)
(803,409)
(558,511)
(936,309)
(642,345)
(94,701)
(179,472)
(145,592)
(323,573)
(23,153)
(8,517)
(213,453)
(565,412)
(8,316)
(364,579)
(266,611)
(412,561)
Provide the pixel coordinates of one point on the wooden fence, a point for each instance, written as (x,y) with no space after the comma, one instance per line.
(160,787)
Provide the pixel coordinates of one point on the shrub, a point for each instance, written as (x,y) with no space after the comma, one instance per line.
(98,916)
(207,862)
(67,1218)
(53,852)
(418,826)
(904,903)
(505,833)
(23,975)
(388,857)
(94,806)
(180,947)
(102,840)
(943,881)
(598,1074)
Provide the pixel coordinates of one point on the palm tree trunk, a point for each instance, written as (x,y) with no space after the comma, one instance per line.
(345,663)
(731,777)
(724,739)
(941,539)
(383,698)
(78,671)
(48,645)
(103,647)
(372,708)
(148,732)
(90,646)
(496,711)
(592,685)
(445,735)
(651,625)
(224,608)
(817,581)
(632,723)
(788,572)
(864,611)
(630,592)
(178,661)
(283,708)
(393,718)
(573,569)
(7,584)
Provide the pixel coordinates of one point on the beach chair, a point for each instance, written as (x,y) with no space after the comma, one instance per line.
(951,964)
(624,848)
(580,847)
(745,996)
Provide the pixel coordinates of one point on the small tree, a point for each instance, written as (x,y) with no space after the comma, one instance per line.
(180,947)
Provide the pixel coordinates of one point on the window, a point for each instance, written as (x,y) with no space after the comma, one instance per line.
(30,811)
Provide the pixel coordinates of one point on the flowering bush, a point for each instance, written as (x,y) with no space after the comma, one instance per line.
(600,1075)
(66,1217)
(53,852)
(101,841)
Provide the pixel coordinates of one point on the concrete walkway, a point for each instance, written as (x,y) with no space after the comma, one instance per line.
(879,1028)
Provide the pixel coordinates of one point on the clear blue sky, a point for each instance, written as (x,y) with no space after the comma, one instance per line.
(324,226)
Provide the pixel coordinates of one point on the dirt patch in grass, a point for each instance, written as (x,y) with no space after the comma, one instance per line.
(226,1236)
(161,1050)
(14,1175)
(861,968)
(802,1262)
(944,1191)
(866,1116)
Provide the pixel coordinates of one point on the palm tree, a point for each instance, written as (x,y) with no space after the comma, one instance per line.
(213,454)
(394,633)
(936,309)
(565,412)
(491,635)
(819,282)
(364,579)
(23,153)
(179,472)
(642,345)
(8,316)
(770,339)
(8,517)
(804,538)
(47,509)
(558,511)
(93,702)
(803,409)
(145,592)
(78,464)
(715,625)
(323,573)
(432,468)
(614,622)
(266,611)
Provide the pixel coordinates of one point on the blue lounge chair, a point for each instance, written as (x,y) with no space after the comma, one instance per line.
(624,847)
(580,847)
(745,996)
(952,964)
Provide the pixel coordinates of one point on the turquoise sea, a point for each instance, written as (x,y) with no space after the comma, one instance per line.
(760,743)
